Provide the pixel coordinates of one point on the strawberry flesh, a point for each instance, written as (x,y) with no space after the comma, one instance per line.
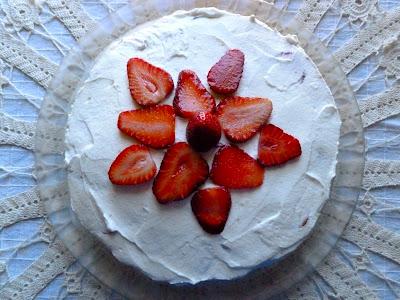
(191,96)
(152,126)
(211,208)
(148,84)
(203,131)
(235,169)
(181,172)
(224,77)
(241,118)
(134,165)
(276,147)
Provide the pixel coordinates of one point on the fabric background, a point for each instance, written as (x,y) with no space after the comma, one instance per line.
(42,32)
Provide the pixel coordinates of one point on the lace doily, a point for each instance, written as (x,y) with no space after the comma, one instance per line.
(36,35)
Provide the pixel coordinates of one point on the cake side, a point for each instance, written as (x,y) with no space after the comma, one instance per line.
(265,224)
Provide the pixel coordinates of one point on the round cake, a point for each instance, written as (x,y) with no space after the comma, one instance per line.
(266,223)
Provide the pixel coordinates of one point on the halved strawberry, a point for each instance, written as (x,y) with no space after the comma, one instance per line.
(203,131)
(182,171)
(276,147)
(148,84)
(235,169)
(242,117)
(224,77)
(191,96)
(211,208)
(134,165)
(153,126)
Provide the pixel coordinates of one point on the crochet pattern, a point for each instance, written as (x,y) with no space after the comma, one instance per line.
(35,36)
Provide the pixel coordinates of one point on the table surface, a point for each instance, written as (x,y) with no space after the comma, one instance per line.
(20,98)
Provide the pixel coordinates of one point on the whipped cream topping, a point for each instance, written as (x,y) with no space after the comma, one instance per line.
(266,223)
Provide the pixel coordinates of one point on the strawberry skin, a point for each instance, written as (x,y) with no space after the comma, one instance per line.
(152,126)
(211,208)
(181,172)
(241,118)
(235,169)
(191,96)
(276,147)
(224,77)
(134,165)
(203,131)
(148,84)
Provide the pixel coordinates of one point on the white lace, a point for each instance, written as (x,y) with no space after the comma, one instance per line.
(35,35)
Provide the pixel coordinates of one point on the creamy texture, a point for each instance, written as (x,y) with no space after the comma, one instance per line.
(266,223)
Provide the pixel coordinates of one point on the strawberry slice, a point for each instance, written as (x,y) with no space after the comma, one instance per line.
(242,117)
(153,126)
(211,208)
(148,84)
(224,77)
(134,165)
(233,168)
(276,147)
(203,131)
(191,96)
(182,171)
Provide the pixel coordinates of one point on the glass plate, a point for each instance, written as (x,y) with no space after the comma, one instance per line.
(51,170)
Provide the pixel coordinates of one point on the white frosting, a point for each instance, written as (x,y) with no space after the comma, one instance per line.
(266,223)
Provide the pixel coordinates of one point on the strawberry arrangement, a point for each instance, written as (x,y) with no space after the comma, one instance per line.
(183,169)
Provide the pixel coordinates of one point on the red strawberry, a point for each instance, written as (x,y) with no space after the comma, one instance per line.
(191,96)
(276,147)
(134,165)
(148,84)
(225,75)
(235,169)
(203,131)
(153,126)
(182,171)
(211,208)
(242,117)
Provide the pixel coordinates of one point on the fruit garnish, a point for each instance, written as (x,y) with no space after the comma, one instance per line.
(153,126)
(241,118)
(148,84)
(276,147)
(181,172)
(191,96)
(134,165)
(224,77)
(211,208)
(203,131)
(233,168)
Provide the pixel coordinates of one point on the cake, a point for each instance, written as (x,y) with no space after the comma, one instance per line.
(265,223)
